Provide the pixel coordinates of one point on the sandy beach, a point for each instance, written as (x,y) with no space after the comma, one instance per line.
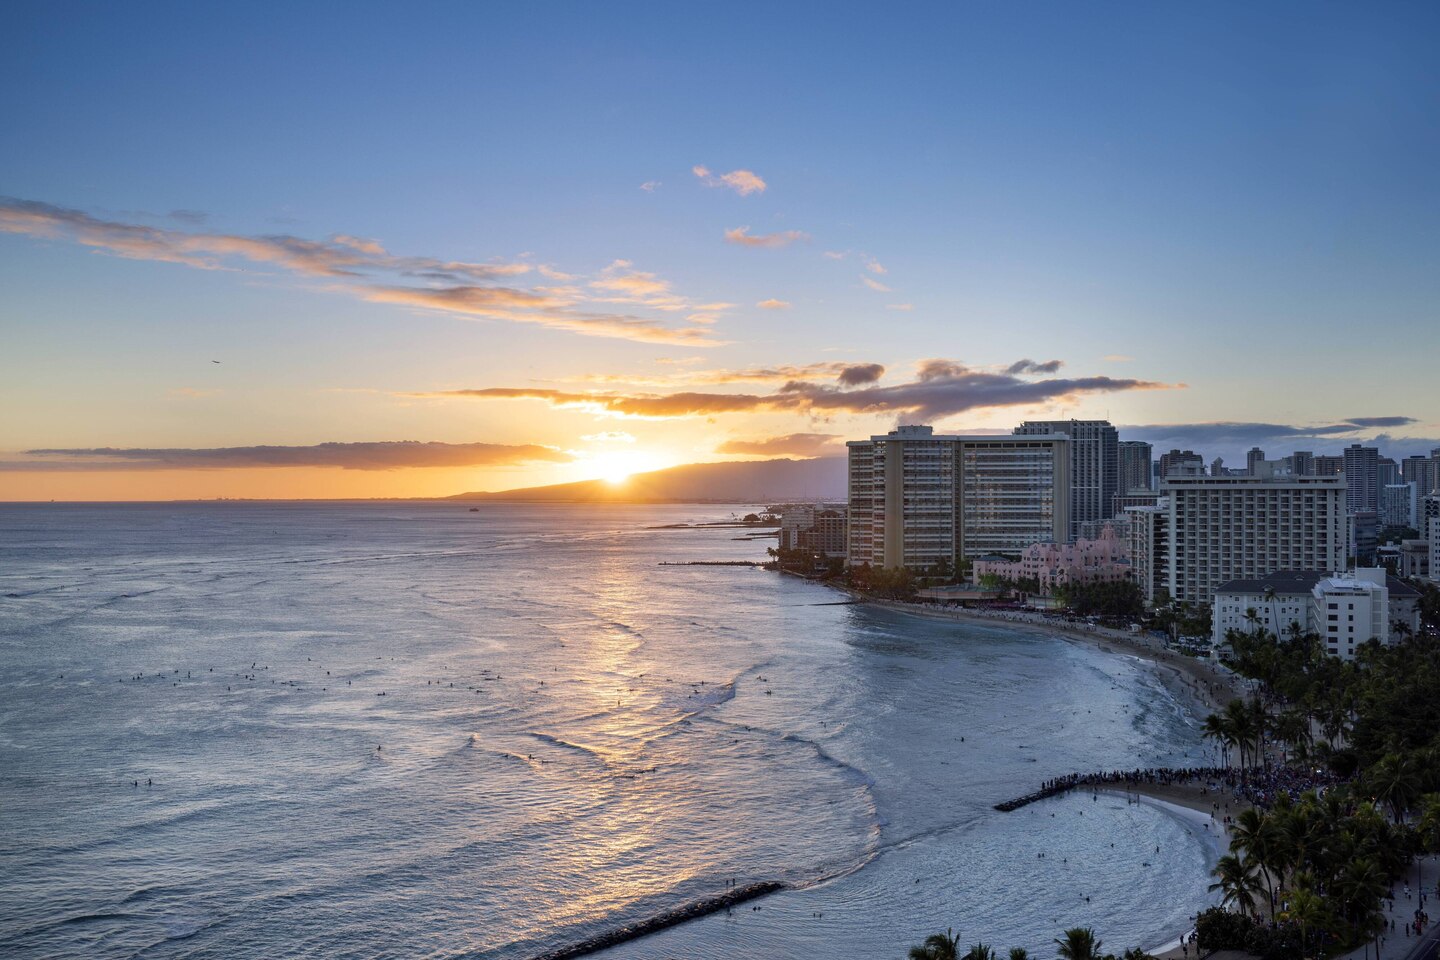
(1203,687)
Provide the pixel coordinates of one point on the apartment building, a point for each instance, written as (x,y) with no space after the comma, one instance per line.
(917,499)
(1094,465)
(1219,529)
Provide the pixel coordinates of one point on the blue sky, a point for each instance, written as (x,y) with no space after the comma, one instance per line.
(1241,201)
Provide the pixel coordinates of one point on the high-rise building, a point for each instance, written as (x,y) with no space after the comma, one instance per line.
(1181,463)
(1136,467)
(1217,468)
(1149,548)
(1328,466)
(1432,529)
(1387,472)
(1362,478)
(1094,464)
(1421,471)
(1364,536)
(1302,463)
(917,499)
(1254,456)
(1398,504)
(1228,528)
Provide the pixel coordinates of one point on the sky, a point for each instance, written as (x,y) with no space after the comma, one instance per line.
(354,250)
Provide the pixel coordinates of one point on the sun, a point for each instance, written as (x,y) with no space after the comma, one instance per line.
(616,466)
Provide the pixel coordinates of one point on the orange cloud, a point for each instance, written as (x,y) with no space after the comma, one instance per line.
(743,182)
(743,237)
(523,307)
(791,444)
(840,371)
(875,285)
(773,304)
(363,267)
(941,388)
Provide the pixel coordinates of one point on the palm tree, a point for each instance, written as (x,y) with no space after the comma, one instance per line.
(1361,887)
(1428,826)
(1241,719)
(1395,782)
(1217,728)
(1307,911)
(1019,953)
(1237,883)
(980,951)
(1079,943)
(938,946)
(1255,835)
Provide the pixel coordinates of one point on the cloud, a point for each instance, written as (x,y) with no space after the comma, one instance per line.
(792,444)
(941,388)
(362,267)
(855,374)
(381,455)
(1030,366)
(773,304)
(743,182)
(498,303)
(874,266)
(193,217)
(1381,421)
(835,254)
(837,370)
(622,283)
(742,236)
(609,436)
(900,306)
(1117,358)
(875,285)
(1232,438)
(650,186)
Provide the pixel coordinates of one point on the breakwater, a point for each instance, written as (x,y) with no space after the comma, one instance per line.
(1005,806)
(690,911)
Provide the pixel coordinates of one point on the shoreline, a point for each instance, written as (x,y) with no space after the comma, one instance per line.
(1199,688)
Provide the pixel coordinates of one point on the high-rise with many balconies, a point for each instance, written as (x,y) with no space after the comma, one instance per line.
(1094,465)
(1234,528)
(917,499)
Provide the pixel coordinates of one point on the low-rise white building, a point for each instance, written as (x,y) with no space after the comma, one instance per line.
(1344,609)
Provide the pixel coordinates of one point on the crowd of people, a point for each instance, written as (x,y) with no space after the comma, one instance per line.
(1261,786)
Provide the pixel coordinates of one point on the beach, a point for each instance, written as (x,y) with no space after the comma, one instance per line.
(1203,687)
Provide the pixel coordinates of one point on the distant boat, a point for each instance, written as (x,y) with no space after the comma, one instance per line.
(474,509)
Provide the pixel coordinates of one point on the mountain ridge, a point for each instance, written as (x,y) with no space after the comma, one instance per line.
(822,478)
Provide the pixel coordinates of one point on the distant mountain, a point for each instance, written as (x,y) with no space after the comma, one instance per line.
(762,481)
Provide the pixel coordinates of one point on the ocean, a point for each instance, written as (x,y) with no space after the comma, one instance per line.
(267,730)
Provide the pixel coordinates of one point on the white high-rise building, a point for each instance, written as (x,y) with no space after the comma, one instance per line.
(1219,529)
(1094,465)
(917,499)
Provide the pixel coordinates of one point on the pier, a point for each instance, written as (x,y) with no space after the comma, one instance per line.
(661,921)
(1005,806)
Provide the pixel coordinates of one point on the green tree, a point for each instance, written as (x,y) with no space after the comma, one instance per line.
(938,946)
(1078,943)
(1237,883)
